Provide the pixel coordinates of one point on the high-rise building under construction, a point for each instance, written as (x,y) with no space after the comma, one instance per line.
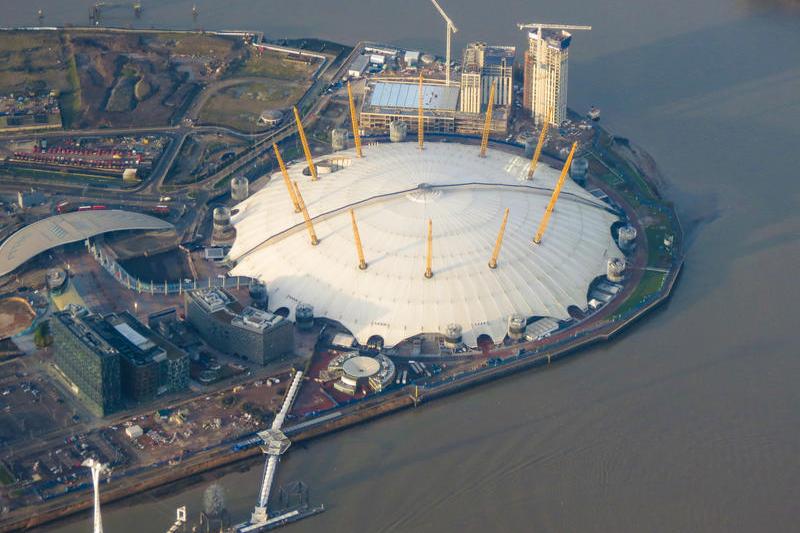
(546,69)
(482,65)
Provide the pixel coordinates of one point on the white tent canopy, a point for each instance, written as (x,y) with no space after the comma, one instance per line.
(465,197)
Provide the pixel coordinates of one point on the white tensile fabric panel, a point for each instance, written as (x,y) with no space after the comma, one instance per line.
(392,298)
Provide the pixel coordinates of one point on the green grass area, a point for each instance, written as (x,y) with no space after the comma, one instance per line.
(292,152)
(240,106)
(628,170)
(70,100)
(622,187)
(58,176)
(6,477)
(274,65)
(121,98)
(31,60)
(223,182)
(28,122)
(657,254)
(200,44)
(650,283)
(612,179)
(612,157)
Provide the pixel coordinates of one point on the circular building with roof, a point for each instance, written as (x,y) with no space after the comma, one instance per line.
(398,195)
(270,117)
(355,370)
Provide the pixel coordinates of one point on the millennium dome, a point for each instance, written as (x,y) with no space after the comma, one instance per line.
(396,195)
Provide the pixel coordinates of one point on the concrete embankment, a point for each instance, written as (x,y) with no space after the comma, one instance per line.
(224,455)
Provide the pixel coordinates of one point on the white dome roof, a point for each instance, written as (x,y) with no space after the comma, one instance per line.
(361,366)
(465,197)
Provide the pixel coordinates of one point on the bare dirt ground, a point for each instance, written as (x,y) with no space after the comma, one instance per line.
(143,80)
(16,315)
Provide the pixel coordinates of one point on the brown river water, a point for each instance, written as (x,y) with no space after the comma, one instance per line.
(691,420)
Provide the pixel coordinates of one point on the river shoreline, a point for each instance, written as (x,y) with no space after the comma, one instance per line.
(222,456)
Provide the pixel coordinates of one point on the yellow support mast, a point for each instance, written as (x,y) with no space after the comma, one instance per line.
(306,149)
(309,224)
(354,121)
(286,180)
(362,263)
(549,211)
(420,117)
(499,242)
(487,126)
(428,270)
(539,145)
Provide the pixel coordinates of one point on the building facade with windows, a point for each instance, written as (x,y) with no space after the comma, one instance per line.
(483,65)
(150,364)
(546,75)
(89,363)
(111,358)
(231,328)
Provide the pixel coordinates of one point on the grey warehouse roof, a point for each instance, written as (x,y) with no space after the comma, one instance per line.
(406,95)
(58,230)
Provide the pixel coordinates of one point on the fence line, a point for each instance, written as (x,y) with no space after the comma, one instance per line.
(163,288)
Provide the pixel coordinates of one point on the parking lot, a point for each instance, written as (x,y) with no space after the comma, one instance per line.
(30,406)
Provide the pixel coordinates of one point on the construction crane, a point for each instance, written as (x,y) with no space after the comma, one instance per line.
(354,120)
(306,149)
(499,242)
(488,124)
(450,29)
(428,261)
(309,225)
(362,263)
(549,211)
(286,180)
(539,26)
(420,117)
(539,145)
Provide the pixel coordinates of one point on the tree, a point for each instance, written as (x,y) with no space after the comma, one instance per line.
(41,335)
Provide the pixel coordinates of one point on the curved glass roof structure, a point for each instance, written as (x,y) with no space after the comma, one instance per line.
(394,190)
(58,230)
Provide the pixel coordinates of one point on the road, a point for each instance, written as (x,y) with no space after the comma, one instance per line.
(149,192)
(178,134)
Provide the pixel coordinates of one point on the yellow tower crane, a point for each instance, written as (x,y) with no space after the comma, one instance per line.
(420,117)
(362,263)
(286,180)
(354,120)
(306,149)
(538,152)
(309,224)
(549,211)
(428,261)
(499,242)
(488,124)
